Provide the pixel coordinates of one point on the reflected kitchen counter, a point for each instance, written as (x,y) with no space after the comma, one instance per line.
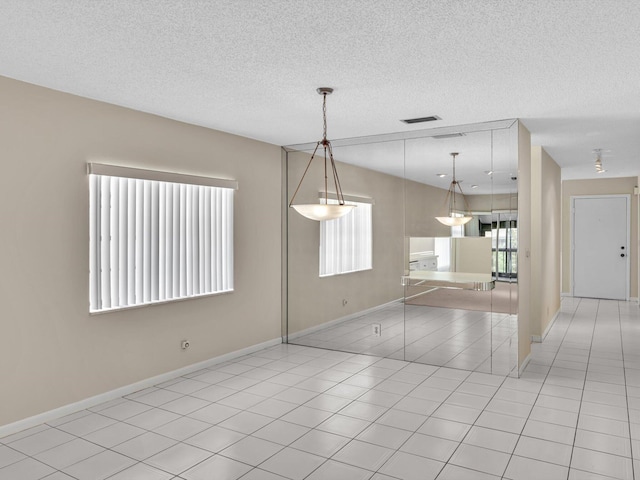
(460,280)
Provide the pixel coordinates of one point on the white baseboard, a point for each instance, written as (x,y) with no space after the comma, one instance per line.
(351,316)
(631,299)
(524,365)
(540,338)
(41,418)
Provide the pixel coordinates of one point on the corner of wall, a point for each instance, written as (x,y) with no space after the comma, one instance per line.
(524,247)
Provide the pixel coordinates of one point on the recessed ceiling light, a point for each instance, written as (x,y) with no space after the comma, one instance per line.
(474,186)
(441,175)
(488,172)
(431,118)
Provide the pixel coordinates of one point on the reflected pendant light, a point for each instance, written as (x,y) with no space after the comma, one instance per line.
(323,211)
(453,219)
(599,168)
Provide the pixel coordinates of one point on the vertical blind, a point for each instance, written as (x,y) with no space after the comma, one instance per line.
(346,242)
(154,241)
(457,230)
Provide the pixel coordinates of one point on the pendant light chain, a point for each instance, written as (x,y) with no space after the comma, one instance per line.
(454,182)
(454,166)
(304,174)
(324,117)
(326,144)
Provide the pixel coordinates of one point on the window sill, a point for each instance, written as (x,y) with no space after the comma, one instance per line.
(156,303)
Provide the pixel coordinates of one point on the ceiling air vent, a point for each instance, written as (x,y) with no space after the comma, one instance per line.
(432,118)
(448,135)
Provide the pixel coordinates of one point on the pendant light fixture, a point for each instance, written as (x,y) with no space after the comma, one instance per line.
(599,168)
(453,220)
(323,211)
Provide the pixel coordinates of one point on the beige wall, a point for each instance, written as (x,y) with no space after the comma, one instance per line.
(524,242)
(422,204)
(492,203)
(599,186)
(421,244)
(53,352)
(472,254)
(545,241)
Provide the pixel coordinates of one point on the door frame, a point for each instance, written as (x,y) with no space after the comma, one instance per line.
(627,197)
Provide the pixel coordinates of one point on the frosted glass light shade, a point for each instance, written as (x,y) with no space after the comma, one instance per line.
(453,221)
(319,212)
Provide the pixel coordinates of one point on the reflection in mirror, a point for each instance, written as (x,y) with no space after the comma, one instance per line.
(430,292)
(343,275)
(452,294)
(464,262)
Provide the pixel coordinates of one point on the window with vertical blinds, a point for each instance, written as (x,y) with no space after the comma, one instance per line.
(153,240)
(457,230)
(346,242)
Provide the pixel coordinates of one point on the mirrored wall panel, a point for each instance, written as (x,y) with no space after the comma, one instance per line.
(423,268)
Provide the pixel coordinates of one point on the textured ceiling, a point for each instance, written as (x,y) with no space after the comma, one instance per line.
(570,69)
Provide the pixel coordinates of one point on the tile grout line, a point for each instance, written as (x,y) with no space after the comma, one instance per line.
(564,336)
(273,420)
(626,392)
(465,435)
(424,421)
(351,439)
(453,320)
(586,373)
(351,401)
(387,409)
(471,427)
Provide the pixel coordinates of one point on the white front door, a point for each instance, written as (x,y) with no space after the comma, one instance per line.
(600,247)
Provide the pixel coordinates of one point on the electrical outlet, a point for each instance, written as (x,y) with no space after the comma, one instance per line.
(184,344)
(376,329)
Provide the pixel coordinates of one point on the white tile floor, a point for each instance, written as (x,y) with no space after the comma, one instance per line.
(294,412)
(470,340)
